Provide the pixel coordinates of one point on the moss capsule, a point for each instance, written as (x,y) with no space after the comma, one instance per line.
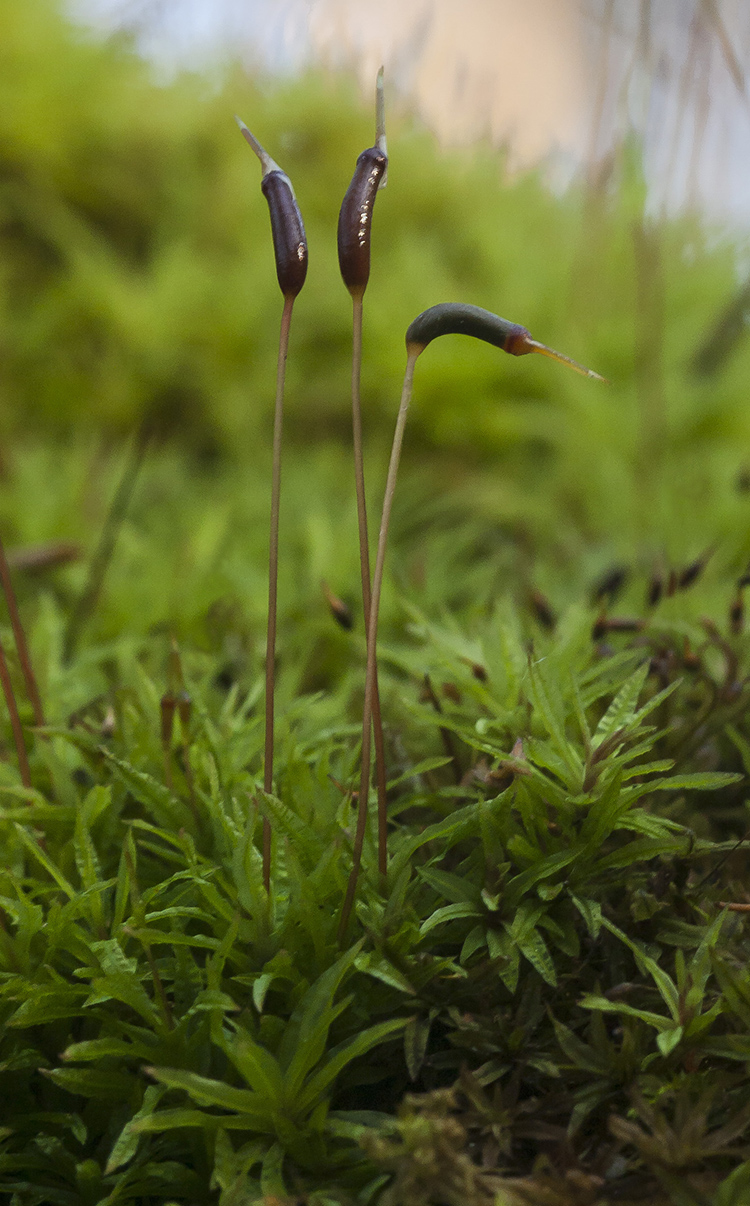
(288,232)
(355,219)
(456,318)
(287,227)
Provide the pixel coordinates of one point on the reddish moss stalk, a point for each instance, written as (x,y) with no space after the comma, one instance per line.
(354,232)
(290,253)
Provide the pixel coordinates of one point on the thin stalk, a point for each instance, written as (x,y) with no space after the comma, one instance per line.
(364,562)
(273,576)
(15,719)
(413,351)
(20,638)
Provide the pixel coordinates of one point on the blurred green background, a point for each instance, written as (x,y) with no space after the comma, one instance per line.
(137,282)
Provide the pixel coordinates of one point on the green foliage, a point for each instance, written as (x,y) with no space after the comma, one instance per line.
(549,933)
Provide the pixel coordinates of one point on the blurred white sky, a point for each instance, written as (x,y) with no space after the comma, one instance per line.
(554,79)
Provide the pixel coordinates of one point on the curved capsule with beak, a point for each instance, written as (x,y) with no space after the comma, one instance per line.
(456,318)
(287,227)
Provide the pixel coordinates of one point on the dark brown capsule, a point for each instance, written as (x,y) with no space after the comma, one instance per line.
(288,232)
(355,219)
(607,624)
(610,585)
(542,609)
(690,659)
(689,574)
(287,228)
(339,610)
(479,671)
(693,571)
(655,590)
(455,318)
